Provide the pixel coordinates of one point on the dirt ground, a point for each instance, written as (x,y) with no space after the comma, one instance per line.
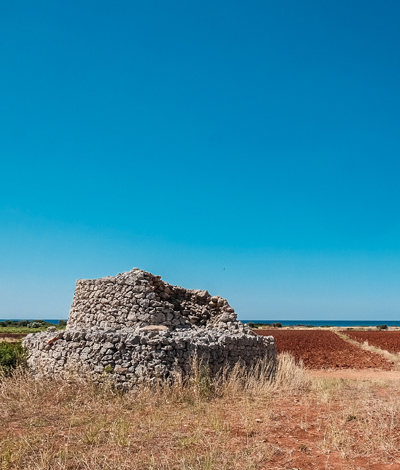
(11,337)
(323,349)
(305,429)
(8,340)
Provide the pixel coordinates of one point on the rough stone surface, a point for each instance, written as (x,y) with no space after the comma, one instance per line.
(135,327)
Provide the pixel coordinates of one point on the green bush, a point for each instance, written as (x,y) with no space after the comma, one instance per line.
(27,326)
(12,355)
(14,323)
(261,325)
(277,325)
(108,369)
(381,327)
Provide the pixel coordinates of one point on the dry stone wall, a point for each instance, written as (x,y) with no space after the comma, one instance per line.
(136,328)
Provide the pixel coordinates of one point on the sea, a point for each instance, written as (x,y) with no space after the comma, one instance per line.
(347,323)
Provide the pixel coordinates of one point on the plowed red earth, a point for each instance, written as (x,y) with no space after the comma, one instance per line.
(388,340)
(321,349)
(12,335)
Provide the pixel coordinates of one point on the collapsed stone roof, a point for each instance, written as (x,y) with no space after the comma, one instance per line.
(136,299)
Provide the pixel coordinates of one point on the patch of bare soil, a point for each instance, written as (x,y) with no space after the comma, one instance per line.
(316,434)
(321,349)
(11,337)
(8,340)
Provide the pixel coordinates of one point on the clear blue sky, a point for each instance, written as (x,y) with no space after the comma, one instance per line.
(248,148)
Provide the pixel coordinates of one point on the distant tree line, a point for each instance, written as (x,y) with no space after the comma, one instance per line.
(263,325)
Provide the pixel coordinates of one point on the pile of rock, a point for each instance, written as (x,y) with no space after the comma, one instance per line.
(136,327)
(137,298)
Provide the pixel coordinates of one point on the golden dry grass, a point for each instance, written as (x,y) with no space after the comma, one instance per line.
(242,421)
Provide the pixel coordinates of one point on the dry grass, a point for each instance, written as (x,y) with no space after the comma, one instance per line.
(363,417)
(241,420)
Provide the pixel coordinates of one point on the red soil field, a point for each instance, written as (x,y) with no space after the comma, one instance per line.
(320,349)
(12,335)
(388,340)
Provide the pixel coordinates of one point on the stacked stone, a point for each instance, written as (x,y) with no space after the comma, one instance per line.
(151,355)
(137,298)
(134,327)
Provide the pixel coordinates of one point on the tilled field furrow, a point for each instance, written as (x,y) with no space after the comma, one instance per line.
(387,340)
(321,349)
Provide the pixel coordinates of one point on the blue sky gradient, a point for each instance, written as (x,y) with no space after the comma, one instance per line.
(247,148)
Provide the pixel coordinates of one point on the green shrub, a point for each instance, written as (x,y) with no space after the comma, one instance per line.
(277,325)
(36,324)
(381,327)
(12,355)
(108,369)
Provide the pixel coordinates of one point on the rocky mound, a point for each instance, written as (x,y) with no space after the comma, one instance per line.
(137,298)
(136,327)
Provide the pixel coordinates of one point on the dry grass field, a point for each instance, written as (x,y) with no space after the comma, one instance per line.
(243,421)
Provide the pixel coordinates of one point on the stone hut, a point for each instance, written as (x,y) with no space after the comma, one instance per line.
(136,327)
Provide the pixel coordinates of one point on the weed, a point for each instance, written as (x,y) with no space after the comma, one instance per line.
(188,441)
(202,381)
(188,399)
(119,432)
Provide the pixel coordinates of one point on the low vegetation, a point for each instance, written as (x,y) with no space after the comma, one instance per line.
(243,421)
(28,326)
(263,325)
(12,356)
